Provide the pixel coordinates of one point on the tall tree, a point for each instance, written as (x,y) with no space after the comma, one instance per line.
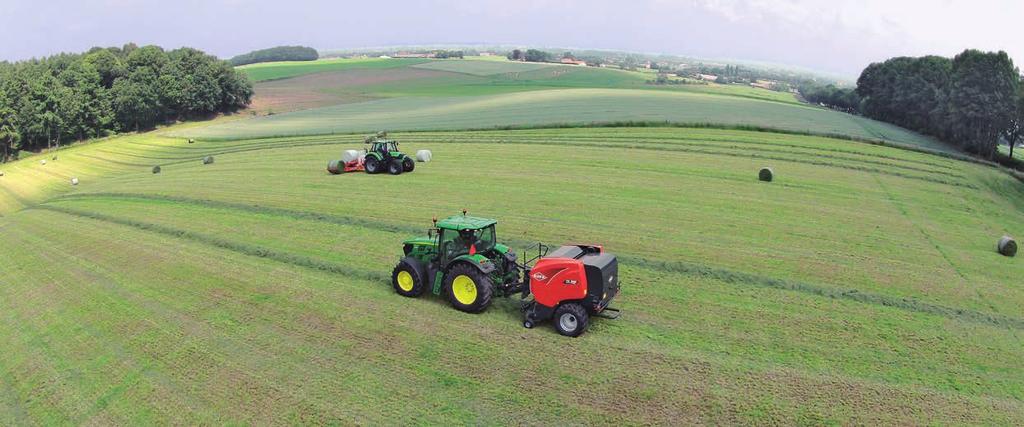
(77,96)
(983,99)
(9,136)
(1014,133)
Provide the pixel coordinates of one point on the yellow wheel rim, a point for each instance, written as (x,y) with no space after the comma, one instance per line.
(405,281)
(464,289)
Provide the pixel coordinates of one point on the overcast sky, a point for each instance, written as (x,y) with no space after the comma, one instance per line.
(836,36)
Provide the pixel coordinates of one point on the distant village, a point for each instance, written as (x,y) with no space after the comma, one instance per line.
(664,70)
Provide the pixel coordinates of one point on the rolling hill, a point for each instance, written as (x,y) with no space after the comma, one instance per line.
(860,287)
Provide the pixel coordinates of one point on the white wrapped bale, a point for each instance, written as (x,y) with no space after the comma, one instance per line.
(74,181)
(350,155)
(42,162)
(423,156)
(208,160)
(335,167)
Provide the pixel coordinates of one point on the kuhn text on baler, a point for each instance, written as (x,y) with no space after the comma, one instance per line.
(461,259)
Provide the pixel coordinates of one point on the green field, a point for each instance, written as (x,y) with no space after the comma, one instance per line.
(286,69)
(364,95)
(861,287)
(573,106)
(479,67)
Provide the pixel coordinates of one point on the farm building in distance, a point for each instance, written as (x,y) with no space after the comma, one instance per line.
(572,61)
(414,55)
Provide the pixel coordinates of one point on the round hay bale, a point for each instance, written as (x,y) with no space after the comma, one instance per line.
(765,175)
(335,167)
(42,162)
(207,160)
(74,181)
(54,157)
(191,141)
(156,169)
(424,156)
(350,155)
(1,173)
(1007,246)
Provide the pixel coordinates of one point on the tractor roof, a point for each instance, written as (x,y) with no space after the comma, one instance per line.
(462,222)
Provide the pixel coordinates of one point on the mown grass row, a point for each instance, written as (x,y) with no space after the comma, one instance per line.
(754,153)
(236,339)
(245,249)
(690,269)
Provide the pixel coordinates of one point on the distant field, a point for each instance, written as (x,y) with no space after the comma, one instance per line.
(478,67)
(860,287)
(557,106)
(280,70)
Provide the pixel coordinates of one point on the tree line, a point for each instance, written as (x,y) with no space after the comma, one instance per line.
(279,53)
(66,97)
(973,100)
(970,100)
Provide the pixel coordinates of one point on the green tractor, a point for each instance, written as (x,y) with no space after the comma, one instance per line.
(461,259)
(383,155)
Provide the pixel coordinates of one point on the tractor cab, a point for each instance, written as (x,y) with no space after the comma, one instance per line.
(458,236)
(386,148)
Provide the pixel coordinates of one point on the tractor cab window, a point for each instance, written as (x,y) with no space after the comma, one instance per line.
(484,239)
(391,147)
(452,245)
(456,243)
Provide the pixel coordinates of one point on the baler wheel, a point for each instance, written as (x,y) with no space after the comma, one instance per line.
(395,167)
(468,289)
(571,319)
(408,278)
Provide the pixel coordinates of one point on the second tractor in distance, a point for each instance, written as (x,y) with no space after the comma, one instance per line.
(384,155)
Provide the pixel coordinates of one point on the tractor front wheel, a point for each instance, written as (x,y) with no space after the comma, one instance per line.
(372,165)
(468,289)
(395,167)
(408,278)
(571,319)
(408,165)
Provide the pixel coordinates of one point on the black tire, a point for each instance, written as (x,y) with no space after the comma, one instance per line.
(416,273)
(408,165)
(395,167)
(571,319)
(458,291)
(372,165)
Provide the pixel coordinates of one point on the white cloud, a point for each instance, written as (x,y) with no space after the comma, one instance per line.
(942,27)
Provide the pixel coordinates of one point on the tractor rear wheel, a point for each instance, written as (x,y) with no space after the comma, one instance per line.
(408,165)
(395,167)
(571,319)
(468,289)
(409,278)
(372,165)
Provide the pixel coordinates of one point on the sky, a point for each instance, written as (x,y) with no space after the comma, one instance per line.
(840,37)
